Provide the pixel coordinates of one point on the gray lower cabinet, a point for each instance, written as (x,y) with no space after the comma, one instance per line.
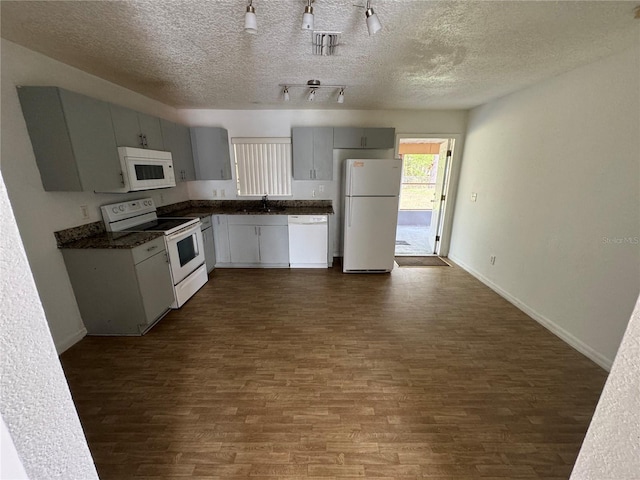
(72,138)
(254,241)
(221,240)
(209,244)
(136,129)
(312,153)
(211,157)
(121,291)
(177,140)
(356,137)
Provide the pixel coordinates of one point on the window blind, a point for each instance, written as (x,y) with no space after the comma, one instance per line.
(263,166)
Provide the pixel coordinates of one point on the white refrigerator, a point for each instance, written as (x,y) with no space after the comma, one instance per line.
(372,191)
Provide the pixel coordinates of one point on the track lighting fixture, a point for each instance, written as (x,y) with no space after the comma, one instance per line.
(312,95)
(313,86)
(373,24)
(307,17)
(250,19)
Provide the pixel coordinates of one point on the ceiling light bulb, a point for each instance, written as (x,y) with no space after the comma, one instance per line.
(341,96)
(286,94)
(312,95)
(250,20)
(307,17)
(373,24)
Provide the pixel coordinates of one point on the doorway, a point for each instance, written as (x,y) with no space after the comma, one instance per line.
(423,195)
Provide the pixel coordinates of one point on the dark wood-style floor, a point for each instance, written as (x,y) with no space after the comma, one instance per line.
(423,373)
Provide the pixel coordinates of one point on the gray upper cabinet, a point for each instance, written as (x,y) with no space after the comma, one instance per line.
(135,129)
(211,153)
(312,153)
(354,137)
(178,141)
(72,138)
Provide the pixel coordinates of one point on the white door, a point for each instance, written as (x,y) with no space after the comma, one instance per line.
(370,233)
(444,163)
(373,177)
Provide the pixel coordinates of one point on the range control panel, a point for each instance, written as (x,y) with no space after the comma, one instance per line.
(123,210)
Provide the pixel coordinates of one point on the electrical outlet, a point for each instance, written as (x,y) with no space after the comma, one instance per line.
(492,259)
(313,193)
(474,197)
(321,188)
(85,212)
(215,193)
(222,193)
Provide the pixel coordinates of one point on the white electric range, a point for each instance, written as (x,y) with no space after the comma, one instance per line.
(183,240)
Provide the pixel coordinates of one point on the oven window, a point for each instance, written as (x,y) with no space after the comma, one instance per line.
(149,172)
(187,250)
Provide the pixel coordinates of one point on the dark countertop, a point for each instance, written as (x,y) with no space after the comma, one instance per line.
(113,240)
(204,208)
(93,235)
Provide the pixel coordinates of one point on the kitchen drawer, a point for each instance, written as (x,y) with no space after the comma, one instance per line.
(142,252)
(258,220)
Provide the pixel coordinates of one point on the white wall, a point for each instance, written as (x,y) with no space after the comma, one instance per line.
(35,403)
(39,213)
(278,123)
(611,448)
(557,171)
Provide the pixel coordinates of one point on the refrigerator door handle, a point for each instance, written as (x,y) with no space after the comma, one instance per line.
(350,209)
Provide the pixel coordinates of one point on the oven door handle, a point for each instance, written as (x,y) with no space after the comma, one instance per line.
(184,233)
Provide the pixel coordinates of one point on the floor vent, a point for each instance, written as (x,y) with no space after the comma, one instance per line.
(325,43)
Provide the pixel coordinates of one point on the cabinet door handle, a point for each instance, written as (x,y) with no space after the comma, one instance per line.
(122,179)
(151,249)
(141,136)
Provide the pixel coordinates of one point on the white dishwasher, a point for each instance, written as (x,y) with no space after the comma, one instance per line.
(308,241)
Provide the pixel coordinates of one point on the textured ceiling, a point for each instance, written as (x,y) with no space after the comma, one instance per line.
(430,54)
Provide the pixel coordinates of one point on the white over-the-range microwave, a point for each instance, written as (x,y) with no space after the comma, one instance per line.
(144,169)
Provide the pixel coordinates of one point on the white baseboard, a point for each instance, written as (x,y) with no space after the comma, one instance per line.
(70,341)
(550,325)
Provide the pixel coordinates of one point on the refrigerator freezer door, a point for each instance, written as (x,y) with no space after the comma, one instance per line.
(369,234)
(373,177)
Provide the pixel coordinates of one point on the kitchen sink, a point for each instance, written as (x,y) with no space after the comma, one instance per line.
(259,210)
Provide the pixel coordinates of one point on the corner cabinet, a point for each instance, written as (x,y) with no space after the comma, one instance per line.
(139,278)
(312,153)
(72,138)
(177,140)
(353,137)
(211,157)
(221,240)
(135,129)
